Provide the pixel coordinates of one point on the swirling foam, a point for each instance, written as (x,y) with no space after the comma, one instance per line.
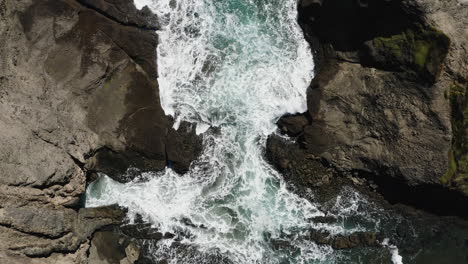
(236,66)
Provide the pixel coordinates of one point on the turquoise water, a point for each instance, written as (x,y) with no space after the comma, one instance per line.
(235,66)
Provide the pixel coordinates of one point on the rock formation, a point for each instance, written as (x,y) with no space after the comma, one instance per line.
(78,95)
(389,97)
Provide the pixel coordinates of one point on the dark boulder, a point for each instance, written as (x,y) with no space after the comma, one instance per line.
(107,247)
(300,168)
(293,125)
(182,147)
(353,240)
(380,103)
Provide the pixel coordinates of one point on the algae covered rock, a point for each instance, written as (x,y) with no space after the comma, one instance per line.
(420,50)
(380,102)
(457,174)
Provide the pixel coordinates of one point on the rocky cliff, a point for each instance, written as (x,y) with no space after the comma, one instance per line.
(388,101)
(78,96)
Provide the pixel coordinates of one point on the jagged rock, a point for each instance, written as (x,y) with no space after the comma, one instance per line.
(372,118)
(125,12)
(184,253)
(293,125)
(108,248)
(379,103)
(144,231)
(47,231)
(320,238)
(358,239)
(299,169)
(183,146)
(78,96)
(324,219)
(339,242)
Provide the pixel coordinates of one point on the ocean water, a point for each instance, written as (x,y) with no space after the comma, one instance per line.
(234,66)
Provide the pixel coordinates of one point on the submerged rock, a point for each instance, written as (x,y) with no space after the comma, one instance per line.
(339,242)
(359,239)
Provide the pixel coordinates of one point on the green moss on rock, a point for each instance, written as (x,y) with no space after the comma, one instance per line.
(457,173)
(430,49)
(451,171)
(393,45)
(421,50)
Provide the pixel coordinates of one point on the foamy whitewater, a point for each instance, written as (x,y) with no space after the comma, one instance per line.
(233,66)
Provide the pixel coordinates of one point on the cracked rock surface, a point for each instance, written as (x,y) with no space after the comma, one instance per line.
(388,101)
(78,95)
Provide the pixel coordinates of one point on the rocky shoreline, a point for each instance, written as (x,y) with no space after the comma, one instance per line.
(382,107)
(386,117)
(79,96)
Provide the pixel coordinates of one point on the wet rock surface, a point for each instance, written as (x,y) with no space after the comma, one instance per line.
(352,201)
(108,247)
(78,96)
(124,12)
(303,171)
(183,146)
(379,104)
(385,108)
(338,242)
(358,239)
(185,254)
(293,125)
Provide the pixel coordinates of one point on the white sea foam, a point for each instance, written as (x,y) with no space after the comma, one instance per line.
(141,3)
(238,66)
(396,258)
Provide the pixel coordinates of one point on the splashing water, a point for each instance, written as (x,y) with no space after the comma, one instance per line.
(236,66)
(396,258)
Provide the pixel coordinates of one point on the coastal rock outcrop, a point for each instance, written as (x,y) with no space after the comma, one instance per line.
(389,97)
(78,96)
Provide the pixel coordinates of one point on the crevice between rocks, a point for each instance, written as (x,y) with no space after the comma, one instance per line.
(36,234)
(103,13)
(431,197)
